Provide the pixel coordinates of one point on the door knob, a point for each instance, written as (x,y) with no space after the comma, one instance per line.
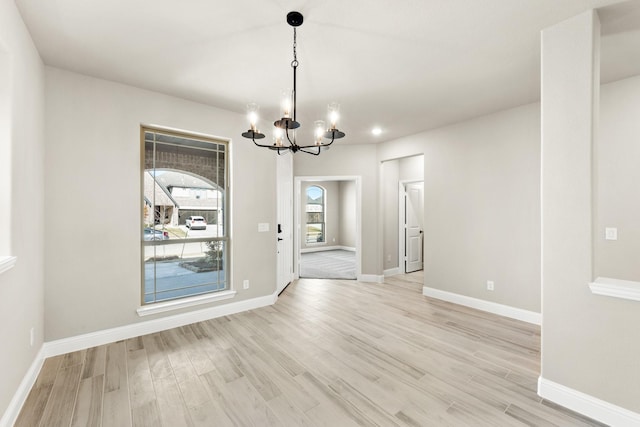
(279,239)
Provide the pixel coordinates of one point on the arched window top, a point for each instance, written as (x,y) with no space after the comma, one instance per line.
(315,195)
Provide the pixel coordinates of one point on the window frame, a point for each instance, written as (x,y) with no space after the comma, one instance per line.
(204,297)
(324,216)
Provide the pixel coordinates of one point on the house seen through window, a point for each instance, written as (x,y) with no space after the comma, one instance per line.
(184,232)
(315,212)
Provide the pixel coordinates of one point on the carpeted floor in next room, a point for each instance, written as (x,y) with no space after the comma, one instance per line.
(334,264)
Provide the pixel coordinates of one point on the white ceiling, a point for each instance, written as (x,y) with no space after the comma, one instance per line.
(405,66)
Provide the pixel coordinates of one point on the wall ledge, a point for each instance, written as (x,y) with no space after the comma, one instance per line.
(625,289)
(163,307)
(7,263)
(585,404)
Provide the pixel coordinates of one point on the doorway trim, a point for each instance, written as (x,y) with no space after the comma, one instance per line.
(284,221)
(297,203)
(402,194)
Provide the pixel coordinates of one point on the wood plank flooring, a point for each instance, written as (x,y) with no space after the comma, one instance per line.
(328,353)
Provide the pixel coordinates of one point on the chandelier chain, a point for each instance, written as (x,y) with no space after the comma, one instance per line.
(294,63)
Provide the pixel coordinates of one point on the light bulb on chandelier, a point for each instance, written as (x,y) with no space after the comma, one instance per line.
(284,136)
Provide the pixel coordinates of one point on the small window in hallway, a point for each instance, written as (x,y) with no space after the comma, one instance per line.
(315,211)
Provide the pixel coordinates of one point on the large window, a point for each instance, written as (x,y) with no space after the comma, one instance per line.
(315,214)
(184,210)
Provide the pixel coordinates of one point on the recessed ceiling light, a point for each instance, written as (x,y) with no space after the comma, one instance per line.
(376,131)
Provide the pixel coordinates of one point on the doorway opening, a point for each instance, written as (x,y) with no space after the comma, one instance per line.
(327,221)
(402,185)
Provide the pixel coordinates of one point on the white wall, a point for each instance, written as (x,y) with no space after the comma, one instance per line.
(21,201)
(92,226)
(482,205)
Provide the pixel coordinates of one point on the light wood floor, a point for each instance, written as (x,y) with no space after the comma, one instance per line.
(328,353)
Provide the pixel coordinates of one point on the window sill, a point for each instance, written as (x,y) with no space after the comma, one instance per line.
(163,307)
(625,289)
(7,263)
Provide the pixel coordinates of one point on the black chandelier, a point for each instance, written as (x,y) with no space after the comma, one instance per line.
(287,125)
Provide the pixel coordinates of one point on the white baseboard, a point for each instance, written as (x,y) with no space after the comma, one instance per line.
(13,410)
(326,248)
(391,272)
(588,405)
(370,278)
(491,307)
(80,342)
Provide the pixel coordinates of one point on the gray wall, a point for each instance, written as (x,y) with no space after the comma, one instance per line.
(411,168)
(389,178)
(618,181)
(93,267)
(347,214)
(21,210)
(589,342)
(482,205)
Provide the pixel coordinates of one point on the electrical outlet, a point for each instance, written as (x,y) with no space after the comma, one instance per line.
(490,285)
(389,258)
(32,336)
(245,284)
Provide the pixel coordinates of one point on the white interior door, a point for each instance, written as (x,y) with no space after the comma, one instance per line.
(285,221)
(413,226)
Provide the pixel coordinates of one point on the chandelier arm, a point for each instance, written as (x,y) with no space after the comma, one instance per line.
(318,145)
(333,137)
(292,143)
(261,145)
(311,152)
